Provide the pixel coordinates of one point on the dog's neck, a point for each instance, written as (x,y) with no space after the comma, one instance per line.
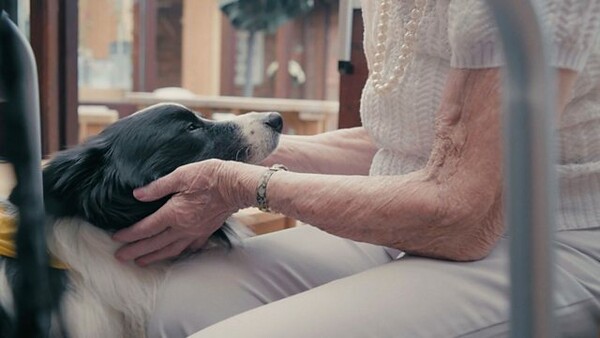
(89,252)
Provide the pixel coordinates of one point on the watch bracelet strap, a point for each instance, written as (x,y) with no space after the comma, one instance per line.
(261,190)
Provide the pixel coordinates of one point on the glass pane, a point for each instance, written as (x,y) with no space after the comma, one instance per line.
(105,44)
(23,19)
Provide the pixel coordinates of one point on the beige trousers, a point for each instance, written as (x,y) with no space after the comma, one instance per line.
(303,282)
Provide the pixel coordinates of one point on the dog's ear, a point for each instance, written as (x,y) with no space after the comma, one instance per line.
(70,173)
(85,182)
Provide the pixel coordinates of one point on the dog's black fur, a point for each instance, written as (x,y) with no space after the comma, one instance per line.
(94,181)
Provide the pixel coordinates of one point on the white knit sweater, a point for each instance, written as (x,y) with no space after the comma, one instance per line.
(461,34)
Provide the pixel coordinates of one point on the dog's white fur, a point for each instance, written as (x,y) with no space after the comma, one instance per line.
(107,298)
(6,297)
(253,130)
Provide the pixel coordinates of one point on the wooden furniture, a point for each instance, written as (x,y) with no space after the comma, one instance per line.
(93,119)
(351,85)
(7,179)
(54,39)
(261,223)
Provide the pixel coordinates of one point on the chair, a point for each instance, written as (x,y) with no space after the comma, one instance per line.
(21,130)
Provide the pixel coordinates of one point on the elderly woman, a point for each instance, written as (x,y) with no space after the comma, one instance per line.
(423,176)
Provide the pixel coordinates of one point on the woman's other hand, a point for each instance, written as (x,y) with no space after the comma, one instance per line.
(203,196)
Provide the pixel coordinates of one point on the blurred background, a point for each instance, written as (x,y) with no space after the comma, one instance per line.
(202,53)
(144,45)
(101,60)
(127,45)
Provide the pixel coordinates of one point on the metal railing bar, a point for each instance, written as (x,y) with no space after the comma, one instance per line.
(531,184)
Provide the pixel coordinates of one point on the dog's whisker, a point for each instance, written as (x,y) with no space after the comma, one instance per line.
(238,153)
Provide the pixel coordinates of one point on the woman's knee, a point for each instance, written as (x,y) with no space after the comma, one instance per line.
(199,293)
(167,321)
(217,285)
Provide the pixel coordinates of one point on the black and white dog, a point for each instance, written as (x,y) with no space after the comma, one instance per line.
(88,195)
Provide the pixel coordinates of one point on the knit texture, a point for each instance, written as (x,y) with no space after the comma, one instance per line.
(461,34)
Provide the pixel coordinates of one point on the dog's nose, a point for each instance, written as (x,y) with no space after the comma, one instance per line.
(274,121)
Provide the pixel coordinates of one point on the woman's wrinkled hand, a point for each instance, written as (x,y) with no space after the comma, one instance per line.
(202,199)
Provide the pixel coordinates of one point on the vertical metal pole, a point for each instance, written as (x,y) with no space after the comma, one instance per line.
(532,191)
(18,78)
(346,11)
(12,9)
(143,18)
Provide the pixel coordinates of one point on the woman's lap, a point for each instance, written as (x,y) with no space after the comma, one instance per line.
(216,284)
(412,297)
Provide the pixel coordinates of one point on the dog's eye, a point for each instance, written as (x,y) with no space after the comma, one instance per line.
(192,126)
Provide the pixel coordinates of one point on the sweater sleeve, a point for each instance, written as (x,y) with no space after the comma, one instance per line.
(572,27)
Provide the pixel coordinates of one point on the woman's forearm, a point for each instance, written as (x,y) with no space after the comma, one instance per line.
(343,152)
(450,209)
(414,212)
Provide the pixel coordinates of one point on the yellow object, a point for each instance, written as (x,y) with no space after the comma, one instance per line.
(8,230)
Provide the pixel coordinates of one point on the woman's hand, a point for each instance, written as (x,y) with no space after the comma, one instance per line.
(203,198)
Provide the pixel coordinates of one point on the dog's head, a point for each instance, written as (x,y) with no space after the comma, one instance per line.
(95,180)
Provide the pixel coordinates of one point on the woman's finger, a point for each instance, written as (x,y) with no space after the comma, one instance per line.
(160,188)
(172,250)
(147,227)
(149,245)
